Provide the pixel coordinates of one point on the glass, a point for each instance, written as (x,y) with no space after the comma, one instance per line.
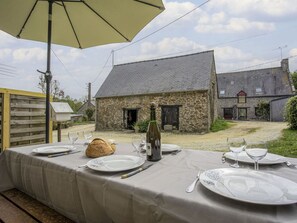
(256,152)
(72,136)
(88,135)
(138,142)
(236,146)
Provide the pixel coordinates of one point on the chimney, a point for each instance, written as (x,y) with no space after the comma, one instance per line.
(285,65)
(89,93)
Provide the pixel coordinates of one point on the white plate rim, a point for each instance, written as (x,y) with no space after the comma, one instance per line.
(139,163)
(244,158)
(169,148)
(204,180)
(67,148)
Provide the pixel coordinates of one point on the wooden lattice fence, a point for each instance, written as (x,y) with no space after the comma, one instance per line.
(22,118)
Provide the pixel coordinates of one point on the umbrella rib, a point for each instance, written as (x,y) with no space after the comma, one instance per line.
(106,22)
(146,3)
(71,25)
(18,35)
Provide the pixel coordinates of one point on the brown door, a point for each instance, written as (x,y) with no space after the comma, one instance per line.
(170,116)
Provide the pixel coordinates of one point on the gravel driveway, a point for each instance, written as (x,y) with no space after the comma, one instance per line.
(251,130)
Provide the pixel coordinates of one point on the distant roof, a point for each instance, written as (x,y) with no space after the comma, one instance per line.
(61,107)
(262,82)
(182,73)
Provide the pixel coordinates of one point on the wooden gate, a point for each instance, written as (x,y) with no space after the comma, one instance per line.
(22,118)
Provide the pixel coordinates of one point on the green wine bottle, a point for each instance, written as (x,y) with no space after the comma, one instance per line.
(153,138)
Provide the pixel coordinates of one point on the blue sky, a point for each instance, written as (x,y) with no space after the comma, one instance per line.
(245,35)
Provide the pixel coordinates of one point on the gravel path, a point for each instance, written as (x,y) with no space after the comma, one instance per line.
(252,131)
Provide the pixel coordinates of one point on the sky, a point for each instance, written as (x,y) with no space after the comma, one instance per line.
(245,35)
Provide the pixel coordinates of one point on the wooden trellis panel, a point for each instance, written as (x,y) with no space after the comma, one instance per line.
(22,118)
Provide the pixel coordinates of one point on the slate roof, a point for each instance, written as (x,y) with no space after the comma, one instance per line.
(182,73)
(262,82)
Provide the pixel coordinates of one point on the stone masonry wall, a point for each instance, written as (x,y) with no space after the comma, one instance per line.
(193,110)
(250,104)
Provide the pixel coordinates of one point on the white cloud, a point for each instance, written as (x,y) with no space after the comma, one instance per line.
(5,53)
(293,52)
(5,39)
(29,54)
(174,10)
(169,45)
(217,23)
(274,8)
(229,53)
(68,56)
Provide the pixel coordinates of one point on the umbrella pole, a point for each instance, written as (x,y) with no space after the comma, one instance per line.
(48,74)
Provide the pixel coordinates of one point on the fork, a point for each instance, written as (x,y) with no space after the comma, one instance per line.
(191,187)
(289,164)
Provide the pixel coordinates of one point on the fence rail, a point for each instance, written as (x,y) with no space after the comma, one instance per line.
(22,118)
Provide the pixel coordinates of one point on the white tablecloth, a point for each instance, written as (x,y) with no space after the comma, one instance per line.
(154,195)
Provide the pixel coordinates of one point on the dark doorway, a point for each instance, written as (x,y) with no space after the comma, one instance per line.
(228,113)
(242,113)
(131,118)
(170,116)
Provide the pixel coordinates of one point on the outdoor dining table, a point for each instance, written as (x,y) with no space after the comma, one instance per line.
(154,195)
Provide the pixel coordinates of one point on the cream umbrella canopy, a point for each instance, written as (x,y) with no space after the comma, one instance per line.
(75,23)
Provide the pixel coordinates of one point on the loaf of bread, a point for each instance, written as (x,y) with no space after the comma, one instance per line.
(99,147)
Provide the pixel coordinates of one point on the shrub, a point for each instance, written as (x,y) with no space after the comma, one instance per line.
(142,125)
(219,124)
(291,112)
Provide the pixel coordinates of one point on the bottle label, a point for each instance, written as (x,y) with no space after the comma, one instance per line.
(148,149)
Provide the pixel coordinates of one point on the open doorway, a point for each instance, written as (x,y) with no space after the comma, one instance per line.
(131,118)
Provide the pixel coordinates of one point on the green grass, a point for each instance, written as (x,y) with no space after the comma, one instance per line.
(220,124)
(286,145)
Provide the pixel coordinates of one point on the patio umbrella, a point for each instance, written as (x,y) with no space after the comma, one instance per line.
(75,23)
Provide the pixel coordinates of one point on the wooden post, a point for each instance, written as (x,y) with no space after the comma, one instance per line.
(59,131)
(6,121)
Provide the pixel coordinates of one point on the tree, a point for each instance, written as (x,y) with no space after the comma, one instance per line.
(294,77)
(56,92)
(291,112)
(263,110)
(89,112)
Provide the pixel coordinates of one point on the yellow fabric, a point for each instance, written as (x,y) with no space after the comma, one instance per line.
(128,17)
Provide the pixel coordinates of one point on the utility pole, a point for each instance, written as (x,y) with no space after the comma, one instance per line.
(281,50)
(89,93)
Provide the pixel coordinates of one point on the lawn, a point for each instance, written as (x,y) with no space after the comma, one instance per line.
(286,145)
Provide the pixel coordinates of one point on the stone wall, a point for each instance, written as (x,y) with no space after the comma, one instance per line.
(193,110)
(250,104)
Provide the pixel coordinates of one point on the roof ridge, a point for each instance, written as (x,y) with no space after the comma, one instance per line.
(164,58)
(249,70)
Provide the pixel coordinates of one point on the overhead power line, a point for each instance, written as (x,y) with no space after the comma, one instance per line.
(163,27)
(76,81)
(102,67)
(257,65)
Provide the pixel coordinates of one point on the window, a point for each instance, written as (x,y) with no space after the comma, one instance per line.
(241,97)
(222,92)
(258,90)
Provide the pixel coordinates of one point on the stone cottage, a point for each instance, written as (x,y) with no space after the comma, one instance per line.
(241,93)
(183,87)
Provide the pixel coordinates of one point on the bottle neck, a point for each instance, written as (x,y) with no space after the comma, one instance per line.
(153,114)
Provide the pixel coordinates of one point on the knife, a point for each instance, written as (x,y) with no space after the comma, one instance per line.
(62,154)
(136,171)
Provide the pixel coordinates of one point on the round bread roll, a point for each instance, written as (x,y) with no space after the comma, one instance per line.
(99,147)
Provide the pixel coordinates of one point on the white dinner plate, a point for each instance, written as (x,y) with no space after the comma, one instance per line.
(46,150)
(168,148)
(250,186)
(115,163)
(270,158)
